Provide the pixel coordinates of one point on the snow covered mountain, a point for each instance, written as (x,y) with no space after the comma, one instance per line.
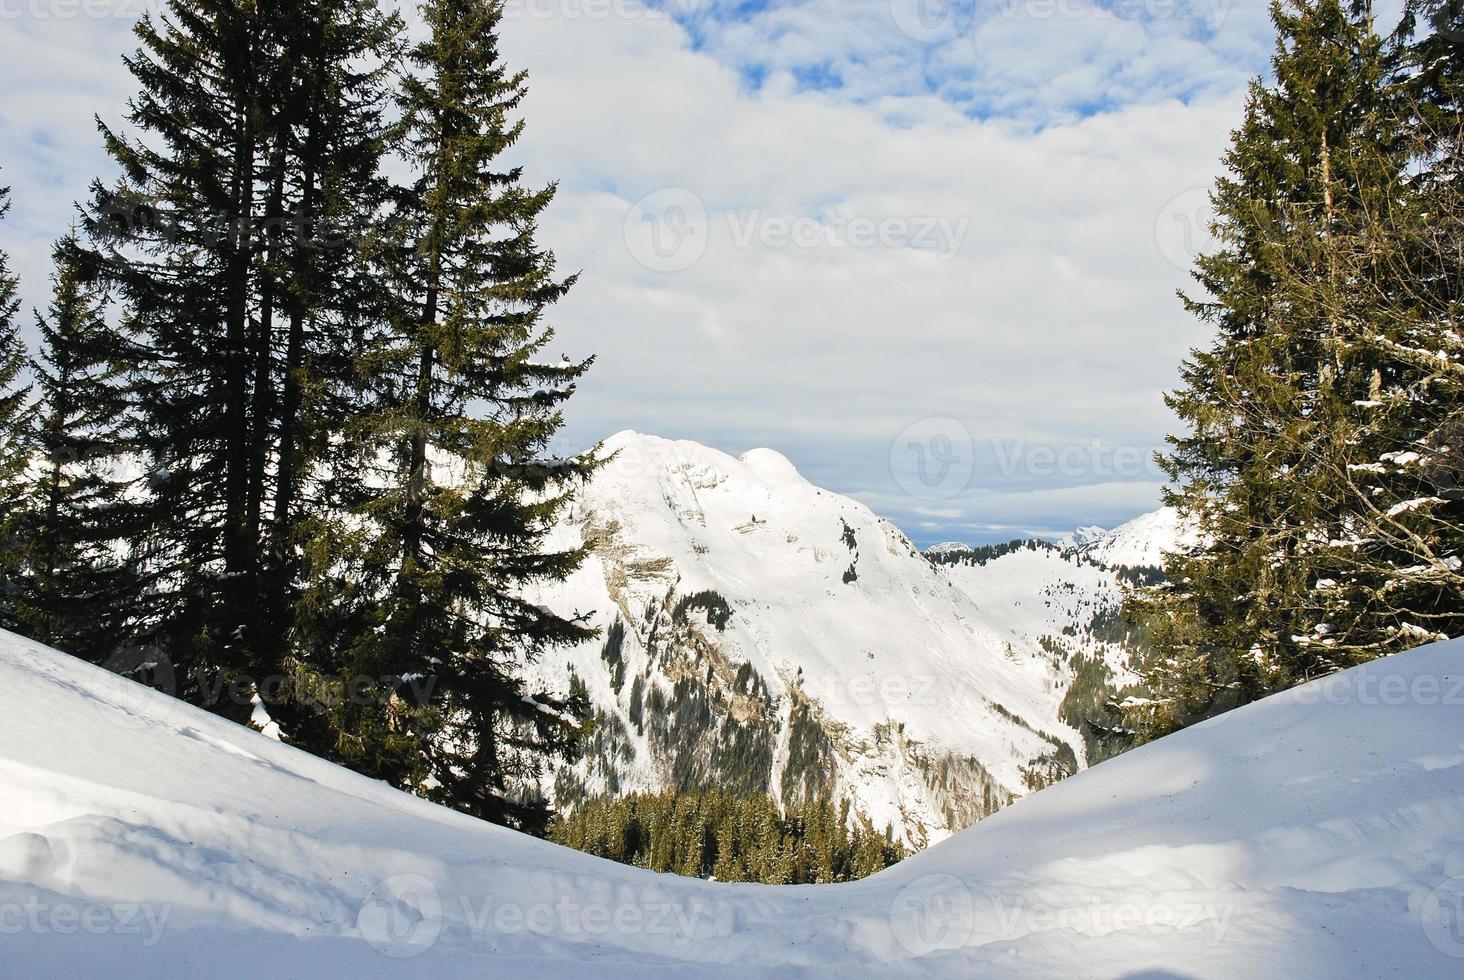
(1066,605)
(1140,543)
(1314,834)
(760,633)
(1082,537)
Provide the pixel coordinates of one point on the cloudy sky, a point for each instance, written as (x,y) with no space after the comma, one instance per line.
(926,249)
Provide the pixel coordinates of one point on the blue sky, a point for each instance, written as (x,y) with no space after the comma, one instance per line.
(927,251)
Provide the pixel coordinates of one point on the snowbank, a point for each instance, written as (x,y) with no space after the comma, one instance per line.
(1319,833)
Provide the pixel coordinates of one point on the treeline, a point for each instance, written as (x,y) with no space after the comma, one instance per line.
(730,837)
(287,440)
(1323,454)
(982,554)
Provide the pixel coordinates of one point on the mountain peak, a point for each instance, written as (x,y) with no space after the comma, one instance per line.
(771,465)
(632,439)
(646,454)
(1083,537)
(1142,541)
(790,631)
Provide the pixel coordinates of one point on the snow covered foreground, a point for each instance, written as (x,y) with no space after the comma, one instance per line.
(1319,833)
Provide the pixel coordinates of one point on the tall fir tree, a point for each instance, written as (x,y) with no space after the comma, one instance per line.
(230,243)
(332,389)
(1400,579)
(456,490)
(325,198)
(78,581)
(177,244)
(1430,72)
(1431,67)
(1308,387)
(16,418)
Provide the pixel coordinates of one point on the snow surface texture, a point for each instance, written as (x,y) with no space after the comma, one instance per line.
(846,664)
(1319,833)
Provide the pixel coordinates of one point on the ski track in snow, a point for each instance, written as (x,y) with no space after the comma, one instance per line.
(1319,833)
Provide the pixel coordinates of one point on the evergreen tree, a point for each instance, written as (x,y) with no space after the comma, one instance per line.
(75,587)
(176,241)
(230,244)
(1431,68)
(455,494)
(1307,387)
(721,835)
(16,416)
(730,864)
(1400,474)
(320,295)
(331,389)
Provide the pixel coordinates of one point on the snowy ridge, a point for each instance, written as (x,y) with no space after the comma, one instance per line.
(1083,536)
(1314,834)
(1041,591)
(1140,543)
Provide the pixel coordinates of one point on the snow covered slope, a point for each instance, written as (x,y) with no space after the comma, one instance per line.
(1061,604)
(1037,590)
(760,633)
(1315,834)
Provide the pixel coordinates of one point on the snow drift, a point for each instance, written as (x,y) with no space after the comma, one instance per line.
(1319,833)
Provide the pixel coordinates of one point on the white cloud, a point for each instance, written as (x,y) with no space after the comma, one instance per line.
(1047,60)
(1052,322)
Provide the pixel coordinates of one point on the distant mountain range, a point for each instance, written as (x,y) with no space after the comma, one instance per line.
(759,633)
